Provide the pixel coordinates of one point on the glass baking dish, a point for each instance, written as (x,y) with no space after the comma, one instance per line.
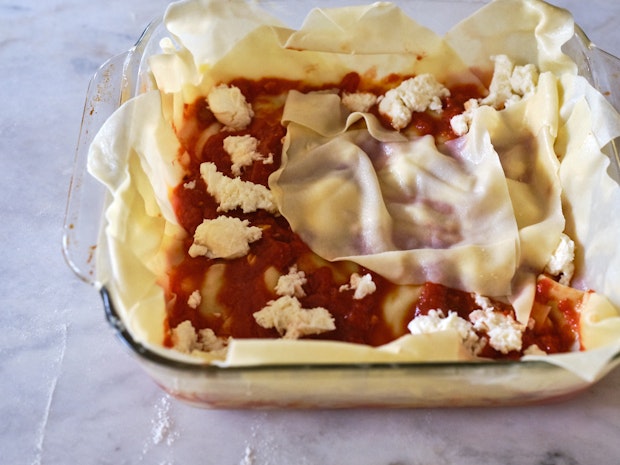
(311,385)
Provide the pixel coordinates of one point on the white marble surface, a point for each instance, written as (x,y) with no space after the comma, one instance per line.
(70,394)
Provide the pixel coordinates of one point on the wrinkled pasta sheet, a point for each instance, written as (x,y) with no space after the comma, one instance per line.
(494,229)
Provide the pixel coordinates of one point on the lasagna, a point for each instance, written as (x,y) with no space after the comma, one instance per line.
(360,189)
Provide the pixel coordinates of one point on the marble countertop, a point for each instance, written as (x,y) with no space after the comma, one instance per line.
(71,394)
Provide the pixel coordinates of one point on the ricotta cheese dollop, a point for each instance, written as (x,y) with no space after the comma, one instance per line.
(230,107)
(224,237)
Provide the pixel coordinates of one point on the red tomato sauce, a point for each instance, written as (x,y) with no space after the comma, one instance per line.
(559,332)
(245,289)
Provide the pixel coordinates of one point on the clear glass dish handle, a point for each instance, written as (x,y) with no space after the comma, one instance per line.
(87,197)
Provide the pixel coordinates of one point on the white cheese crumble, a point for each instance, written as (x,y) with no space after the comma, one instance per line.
(484,303)
(509,85)
(243,151)
(186,339)
(291,284)
(362,285)
(435,321)
(460,123)
(194,299)
(224,237)
(505,333)
(358,101)
(233,193)
(292,321)
(500,90)
(561,263)
(417,94)
(230,107)
(524,79)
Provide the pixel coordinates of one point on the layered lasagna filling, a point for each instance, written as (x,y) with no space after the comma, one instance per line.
(244,272)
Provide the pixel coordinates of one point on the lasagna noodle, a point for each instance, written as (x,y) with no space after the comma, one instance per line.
(269,49)
(523,136)
(134,154)
(591,196)
(528,31)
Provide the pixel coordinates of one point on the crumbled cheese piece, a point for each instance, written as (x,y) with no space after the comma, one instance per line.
(362,285)
(561,263)
(524,79)
(417,94)
(460,123)
(194,299)
(190,185)
(291,284)
(292,321)
(230,107)
(358,101)
(505,333)
(233,193)
(500,89)
(186,339)
(210,342)
(435,321)
(243,152)
(510,83)
(224,237)
(483,302)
